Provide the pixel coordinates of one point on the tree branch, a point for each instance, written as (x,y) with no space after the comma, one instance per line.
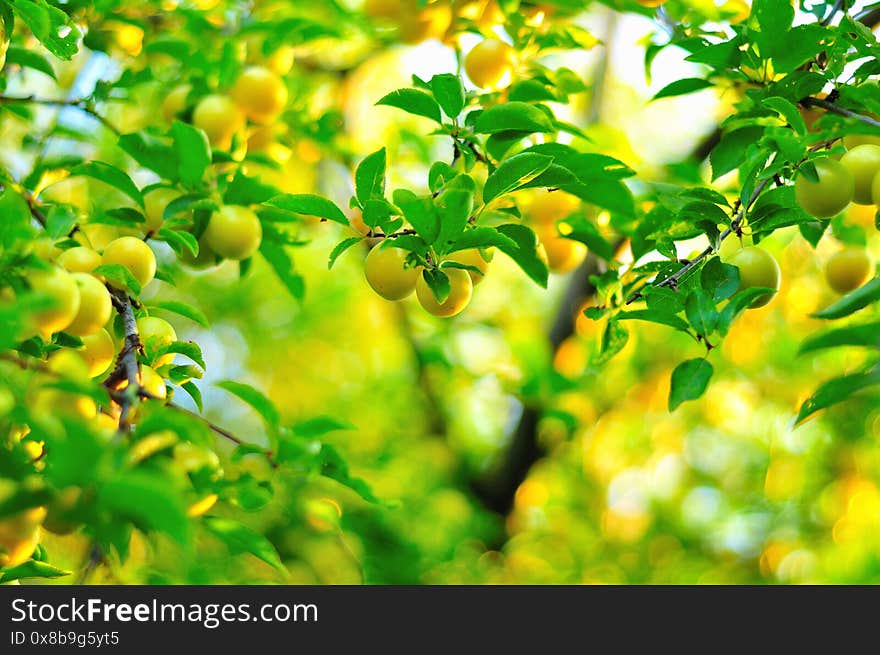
(82,104)
(827,105)
(127,367)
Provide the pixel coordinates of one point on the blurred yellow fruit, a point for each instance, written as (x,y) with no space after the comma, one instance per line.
(489,64)
(551,206)
(19,536)
(848,269)
(220,118)
(563,255)
(175,102)
(260,93)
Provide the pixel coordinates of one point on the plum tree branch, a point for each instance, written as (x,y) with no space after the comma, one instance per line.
(829,106)
(127,367)
(83,104)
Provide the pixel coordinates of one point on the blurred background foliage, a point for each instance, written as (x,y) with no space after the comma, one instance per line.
(723,490)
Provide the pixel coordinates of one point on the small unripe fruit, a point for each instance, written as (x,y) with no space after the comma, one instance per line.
(61,291)
(460,291)
(551,206)
(489,64)
(156,333)
(134,255)
(848,269)
(757,268)
(260,93)
(156,201)
(220,118)
(852,141)
(831,194)
(79,260)
(863,163)
(95,306)
(471,257)
(386,272)
(98,351)
(234,232)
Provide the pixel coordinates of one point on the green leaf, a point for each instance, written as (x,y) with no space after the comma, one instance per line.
(420,212)
(701,312)
(277,257)
(319,426)
(193,152)
(614,339)
(241,539)
(110,175)
(583,230)
(728,154)
(29,59)
(309,205)
(655,316)
(513,117)
(181,309)
(867,334)
(369,177)
(837,390)
(413,101)
(853,301)
(682,87)
(193,392)
(482,237)
(689,381)
(454,207)
(331,465)
(149,500)
(513,173)
(788,111)
(438,282)
(340,248)
(256,399)
(719,279)
(179,240)
(188,349)
(151,152)
(449,92)
(60,220)
(31,569)
(525,254)
(120,275)
(52,27)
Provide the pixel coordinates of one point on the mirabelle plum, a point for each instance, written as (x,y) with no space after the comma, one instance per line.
(471,257)
(548,207)
(757,268)
(386,272)
(489,64)
(220,118)
(156,333)
(460,291)
(234,232)
(863,163)
(134,255)
(156,201)
(79,260)
(152,383)
(175,102)
(98,351)
(60,290)
(260,93)
(831,194)
(430,23)
(848,269)
(563,255)
(95,306)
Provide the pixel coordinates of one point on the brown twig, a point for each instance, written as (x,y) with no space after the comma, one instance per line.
(82,104)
